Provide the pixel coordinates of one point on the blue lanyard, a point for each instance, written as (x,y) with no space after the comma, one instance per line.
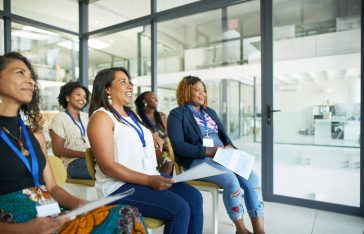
(202,116)
(155,126)
(82,128)
(34,169)
(138,131)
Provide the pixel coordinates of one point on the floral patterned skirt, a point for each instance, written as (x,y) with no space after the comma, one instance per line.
(19,207)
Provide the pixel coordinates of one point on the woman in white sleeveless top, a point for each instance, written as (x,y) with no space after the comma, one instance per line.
(125,157)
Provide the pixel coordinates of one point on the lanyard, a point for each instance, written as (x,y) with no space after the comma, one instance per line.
(82,128)
(155,126)
(138,131)
(34,169)
(202,116)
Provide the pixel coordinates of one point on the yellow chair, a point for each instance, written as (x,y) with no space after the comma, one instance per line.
(59,171)
(86,182)
(200,185)
(151,223)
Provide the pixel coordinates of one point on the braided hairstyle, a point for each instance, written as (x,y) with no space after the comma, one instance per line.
(140,109)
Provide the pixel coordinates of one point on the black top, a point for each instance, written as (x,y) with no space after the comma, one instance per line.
(14,175)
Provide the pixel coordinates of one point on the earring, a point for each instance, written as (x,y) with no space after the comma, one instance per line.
(109,99)
(67,100)
(1,100)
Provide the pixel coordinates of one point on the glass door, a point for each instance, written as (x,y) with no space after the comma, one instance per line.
(316,87)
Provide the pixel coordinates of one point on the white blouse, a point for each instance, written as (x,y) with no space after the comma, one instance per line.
(64,127)
(129,152)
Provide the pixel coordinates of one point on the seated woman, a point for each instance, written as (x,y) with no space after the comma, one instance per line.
(196,132)
(146,107)
(26,180)
(68,130)
(125,157)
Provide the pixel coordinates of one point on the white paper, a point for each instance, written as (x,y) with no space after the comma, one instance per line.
(238,161)
(96,204)
(200,171)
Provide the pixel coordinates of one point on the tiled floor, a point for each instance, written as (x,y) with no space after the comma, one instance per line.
(286,219)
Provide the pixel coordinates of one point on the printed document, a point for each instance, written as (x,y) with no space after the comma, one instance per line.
(200,171)
(96,204)
(236,160)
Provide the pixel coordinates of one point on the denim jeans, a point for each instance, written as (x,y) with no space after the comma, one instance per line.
(179,206)
(232,185)
(77,169)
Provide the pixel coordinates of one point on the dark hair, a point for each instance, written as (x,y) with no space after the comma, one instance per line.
(31,110)
(67,89)
(103,81)
(140,108)
(183,93)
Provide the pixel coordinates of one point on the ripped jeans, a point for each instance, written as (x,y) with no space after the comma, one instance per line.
(232,185)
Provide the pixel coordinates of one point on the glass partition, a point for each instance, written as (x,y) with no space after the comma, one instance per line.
(54,56)
(60,13)
(116,12)
(129,49)
(317,88)
(168,4)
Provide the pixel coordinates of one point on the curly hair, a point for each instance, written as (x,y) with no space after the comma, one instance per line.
(183,93)
(140,109)
(67,89)
(30,110)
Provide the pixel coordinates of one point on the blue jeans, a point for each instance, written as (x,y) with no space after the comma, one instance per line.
(232,185)
(180,206)
(77,169)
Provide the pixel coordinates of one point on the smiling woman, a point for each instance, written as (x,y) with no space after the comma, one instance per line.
(68,130)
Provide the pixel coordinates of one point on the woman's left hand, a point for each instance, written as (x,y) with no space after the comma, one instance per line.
(158,142)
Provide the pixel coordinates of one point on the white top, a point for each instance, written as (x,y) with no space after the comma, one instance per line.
(64,127)
(129,152)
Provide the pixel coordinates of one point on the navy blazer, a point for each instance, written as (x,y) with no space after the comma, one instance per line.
(186,137)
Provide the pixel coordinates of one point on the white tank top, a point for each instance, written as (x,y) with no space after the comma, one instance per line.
(129,152)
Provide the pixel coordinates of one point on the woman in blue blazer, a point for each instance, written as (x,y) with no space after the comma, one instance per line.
(196,133)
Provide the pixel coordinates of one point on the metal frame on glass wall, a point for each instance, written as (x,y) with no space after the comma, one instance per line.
(267,128)
(267,74)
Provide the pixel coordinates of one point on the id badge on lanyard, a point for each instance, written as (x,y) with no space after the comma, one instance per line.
(46,206)
(207,141)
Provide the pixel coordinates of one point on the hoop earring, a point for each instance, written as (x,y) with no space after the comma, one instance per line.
(1,100)
(109,99)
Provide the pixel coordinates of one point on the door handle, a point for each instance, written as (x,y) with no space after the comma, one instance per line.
(269,114)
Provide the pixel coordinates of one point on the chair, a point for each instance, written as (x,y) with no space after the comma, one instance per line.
(200,185)
(151,223)
(91,171)
(59,171)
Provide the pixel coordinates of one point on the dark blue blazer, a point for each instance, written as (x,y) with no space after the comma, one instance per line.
(185,135)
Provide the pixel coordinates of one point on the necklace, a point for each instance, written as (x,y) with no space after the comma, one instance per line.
(20,142)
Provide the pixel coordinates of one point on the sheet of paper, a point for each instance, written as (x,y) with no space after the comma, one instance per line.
(96,204)
(238,161)
(200,171)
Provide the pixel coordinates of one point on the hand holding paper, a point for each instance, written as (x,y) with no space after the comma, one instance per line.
(200,171)
(238,161)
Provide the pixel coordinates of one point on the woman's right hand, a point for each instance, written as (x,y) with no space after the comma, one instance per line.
(210,151)
(158,182)
(45,225)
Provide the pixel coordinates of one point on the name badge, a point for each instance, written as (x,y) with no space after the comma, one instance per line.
(208,142)
(47,207)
